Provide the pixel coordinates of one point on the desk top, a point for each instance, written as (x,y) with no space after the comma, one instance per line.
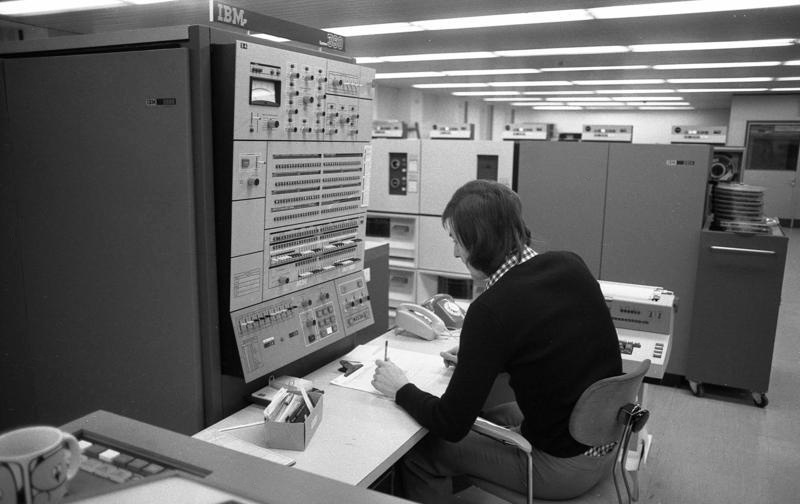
(245,476)
(361,435)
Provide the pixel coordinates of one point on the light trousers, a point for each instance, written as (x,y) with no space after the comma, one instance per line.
(427,471)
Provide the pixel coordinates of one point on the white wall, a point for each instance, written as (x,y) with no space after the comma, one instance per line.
(413,106)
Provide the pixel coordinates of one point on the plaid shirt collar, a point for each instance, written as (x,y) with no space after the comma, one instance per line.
(510,262)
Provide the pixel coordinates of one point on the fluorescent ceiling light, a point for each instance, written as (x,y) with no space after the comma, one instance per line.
(792,63)
(634,91)
(644,98)
(558,16)
(521,18)
(554,93)
(693,66)
(705,46)
(365,60)
(529,83)
(485,93)
(149,2)
(516,99)
(785,89)
(649,107)
(597,107)
(724,79)
(408,75)
(437,56)
(522,104)
(577,50)
(658,104)
(556,107)
(593,68)
(685,7)
(597,104)
(617,82)
(444,85)
(273,38)
(580,98)
(787,78)
(504,20)
(556,51)
(721,90)
(375,29)
(498,71)
(33,7)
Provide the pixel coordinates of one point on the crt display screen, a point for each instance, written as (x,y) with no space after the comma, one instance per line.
(265,92)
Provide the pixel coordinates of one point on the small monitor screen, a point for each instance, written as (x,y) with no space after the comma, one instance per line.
(265,92)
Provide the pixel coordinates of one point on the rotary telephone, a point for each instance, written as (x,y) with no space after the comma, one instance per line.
(436,317)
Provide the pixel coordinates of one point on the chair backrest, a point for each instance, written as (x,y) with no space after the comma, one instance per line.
(594,420)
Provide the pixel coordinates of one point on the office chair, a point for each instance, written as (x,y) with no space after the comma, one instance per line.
(607,411)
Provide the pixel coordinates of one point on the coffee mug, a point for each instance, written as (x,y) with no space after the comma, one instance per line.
(36,463)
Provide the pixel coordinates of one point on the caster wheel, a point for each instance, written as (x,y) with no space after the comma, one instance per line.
(696,388)
(760,399)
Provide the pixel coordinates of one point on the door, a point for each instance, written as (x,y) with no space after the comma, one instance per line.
(772,156)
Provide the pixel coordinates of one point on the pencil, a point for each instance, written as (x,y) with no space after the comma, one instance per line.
(241,426)
(386,350)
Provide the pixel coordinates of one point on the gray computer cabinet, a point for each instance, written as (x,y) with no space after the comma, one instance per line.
(737,298)
(410,183)
(563,191)
(449,164)
(112,246)
(102,254)
(655,202)
(633,212)
(395,176)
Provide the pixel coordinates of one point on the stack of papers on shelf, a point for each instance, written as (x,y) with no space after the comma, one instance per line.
(426,371)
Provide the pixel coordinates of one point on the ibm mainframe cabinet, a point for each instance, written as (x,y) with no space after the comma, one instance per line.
(632,211)
(119,189)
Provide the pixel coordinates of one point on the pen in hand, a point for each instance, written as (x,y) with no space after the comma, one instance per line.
(386,350)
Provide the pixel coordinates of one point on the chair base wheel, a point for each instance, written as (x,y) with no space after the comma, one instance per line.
(696,388)
(760,399)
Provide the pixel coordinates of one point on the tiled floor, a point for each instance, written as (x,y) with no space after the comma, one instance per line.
(721,448)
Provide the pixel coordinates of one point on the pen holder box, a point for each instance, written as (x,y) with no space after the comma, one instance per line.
(295,435)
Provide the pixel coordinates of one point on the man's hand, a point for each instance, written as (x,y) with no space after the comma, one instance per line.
(450,357)
(388,378)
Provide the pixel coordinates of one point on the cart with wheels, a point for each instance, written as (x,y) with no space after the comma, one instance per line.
(737,296)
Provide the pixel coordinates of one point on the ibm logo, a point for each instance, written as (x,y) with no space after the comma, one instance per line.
(230,15)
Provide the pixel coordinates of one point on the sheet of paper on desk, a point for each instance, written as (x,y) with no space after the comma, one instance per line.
(234,443)
(426,371)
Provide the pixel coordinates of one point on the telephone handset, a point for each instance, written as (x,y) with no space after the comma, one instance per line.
(447,309)
(420,322)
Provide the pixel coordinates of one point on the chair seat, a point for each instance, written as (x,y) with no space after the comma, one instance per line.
(485,492)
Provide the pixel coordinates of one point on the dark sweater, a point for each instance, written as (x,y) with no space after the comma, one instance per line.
(546,323)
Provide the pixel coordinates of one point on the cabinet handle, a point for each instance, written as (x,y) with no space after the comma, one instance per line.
(717,248)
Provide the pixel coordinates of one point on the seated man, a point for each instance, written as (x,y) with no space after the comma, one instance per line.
(544,321)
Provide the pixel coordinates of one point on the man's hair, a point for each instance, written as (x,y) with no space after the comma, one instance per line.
(486,218)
